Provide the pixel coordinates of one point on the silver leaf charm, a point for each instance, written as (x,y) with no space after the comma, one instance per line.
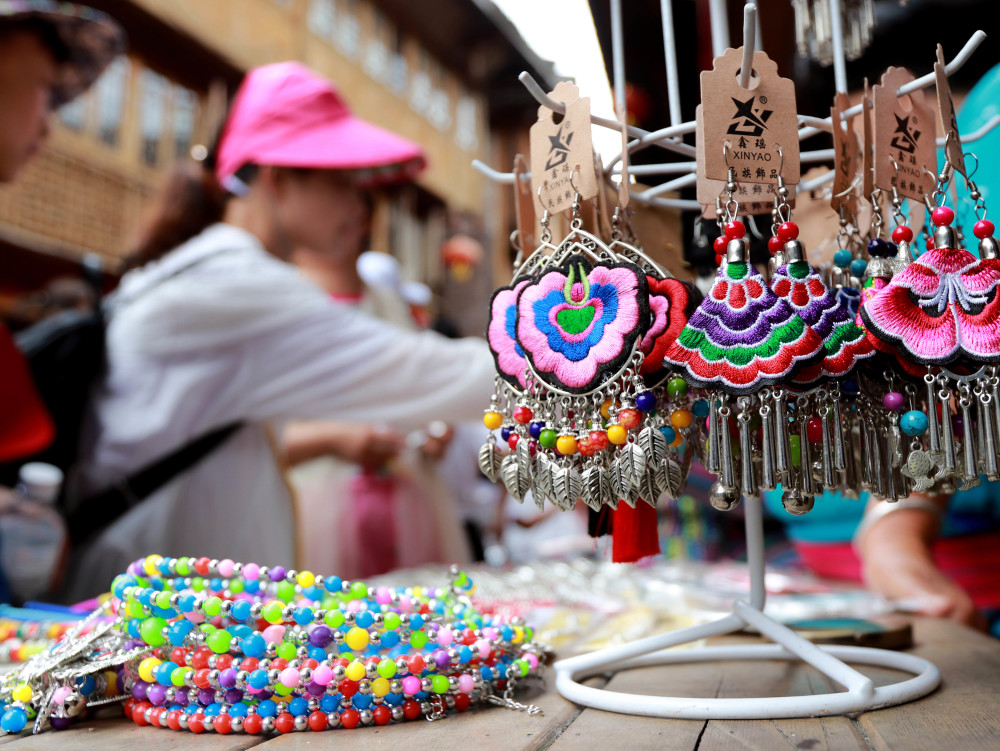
(649,488)
(653,445)
(671,477)
(541,478)
(517,482)
(489,461)
(597,486)
(621,482)
(633,462)
(523,454)
(566,487)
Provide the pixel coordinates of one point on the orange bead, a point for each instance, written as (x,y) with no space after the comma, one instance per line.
(606,408)
(680,418)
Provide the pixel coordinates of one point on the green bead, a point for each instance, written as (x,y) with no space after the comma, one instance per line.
(282,690)
(272,612)
(151,631)
(135,609)
(523,666)
(391,621)
(387,669)
(286,591)
(794,445)
(219,641)
(418,639)
(677,388)
(236,586)
(207,628)
(439,684)
(183,566)
(548,438)
(335,618)
(212,606)
(286,650)
(163,600)
(359,590)
(177,676)
(197,584)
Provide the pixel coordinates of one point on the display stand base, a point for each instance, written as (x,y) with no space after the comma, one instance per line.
(861,694)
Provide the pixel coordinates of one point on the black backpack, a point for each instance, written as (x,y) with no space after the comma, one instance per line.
(66,355)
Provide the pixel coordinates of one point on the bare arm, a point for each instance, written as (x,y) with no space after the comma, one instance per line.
(368,445)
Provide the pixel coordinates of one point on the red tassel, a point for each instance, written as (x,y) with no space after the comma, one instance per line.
(633,532)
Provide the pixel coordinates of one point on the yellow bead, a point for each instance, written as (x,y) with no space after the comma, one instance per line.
(617,434)
(680,418)
(150,564)
(306,579)
(357,638)
(22,693)
(606,408)
(356,670)
(492,420)
(380,687)
(146,668)
(566,445)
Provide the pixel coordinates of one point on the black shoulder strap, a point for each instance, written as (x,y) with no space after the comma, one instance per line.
(97,512)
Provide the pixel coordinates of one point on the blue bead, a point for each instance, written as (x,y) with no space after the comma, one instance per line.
(86,684)
(314,593)
(333,584)
(163,671)
(487,673)
(186,602)
(241,610)
(298,706)
(700,408)
(913,422)
(394,699)
(362,701)
(390,639)
(167,613)
(267,708)
(464,653)
(215,584)
(668,433)
(257,679)
(239,709)
(251,587)
(416,621)
(328,703)
(319,654)
(842,258)
(253,645)
(505,432)
(364,619)
(535,429)
(646,401)
(303,616)
(849,386)
(13,720)
(858,268)
(213,709)
(133,628)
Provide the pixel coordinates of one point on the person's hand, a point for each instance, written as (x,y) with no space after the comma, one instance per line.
(367,445)
(437,438)
(897,563)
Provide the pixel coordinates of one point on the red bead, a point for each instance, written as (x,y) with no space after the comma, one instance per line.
(174,720)
(720,244)
(199,659)
(788,231)
(814,430)
(348,687)
(735,229)
(522,415)
(942,215)
(350,718)
(902,234)
(249,664)
(416,665)
(411,709)
(774,244)
(223,662)
(382,714)
(201,678)
(201,566)
(929,244)
(317,721)
(630,418)
(279,663)
(128,706)
(462,702)
(139,711)
(178,655)
(718,259)
(584,447)
(253,723)
(512,441)
(983,228)
(284,722)
(196,723)
(532,447)
(312,664)
(598,439)
(223,724)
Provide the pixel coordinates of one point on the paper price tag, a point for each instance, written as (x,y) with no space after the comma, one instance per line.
(868,178)
(905,153)
(524,207)
(949,123)
(847,160)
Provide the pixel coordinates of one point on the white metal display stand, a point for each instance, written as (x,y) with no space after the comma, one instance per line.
(861,694)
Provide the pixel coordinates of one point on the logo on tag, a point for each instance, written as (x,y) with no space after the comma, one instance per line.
(902,138)
(748,120)
(558,148)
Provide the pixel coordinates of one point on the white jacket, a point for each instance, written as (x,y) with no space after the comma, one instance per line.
(219,331)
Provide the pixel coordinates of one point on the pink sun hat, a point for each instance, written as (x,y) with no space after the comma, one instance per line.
(287,115)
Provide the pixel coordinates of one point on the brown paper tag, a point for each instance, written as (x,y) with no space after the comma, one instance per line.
(904,138)
(524,207)
(562,151)
(753,198)
(754,122)
(847,160)
(868,178)
(623,186)
(949,124)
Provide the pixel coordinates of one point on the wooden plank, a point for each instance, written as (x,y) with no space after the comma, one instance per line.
(489,728)
(963,714)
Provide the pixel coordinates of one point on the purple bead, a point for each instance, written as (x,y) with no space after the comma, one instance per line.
(233,695)
(156,693)
(61,723)
(227,678)
(321,636)
(278,573)
(441,659)
(181,698)
(535,429)
(958,426)
(646,401)
(139,690)
(893,400)
(505,432)
(315,689)
(206,696)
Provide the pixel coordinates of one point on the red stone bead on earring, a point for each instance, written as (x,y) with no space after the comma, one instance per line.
(983,228)
(902,234)
(774,244)
(735,229)
(942,215)
(788,231)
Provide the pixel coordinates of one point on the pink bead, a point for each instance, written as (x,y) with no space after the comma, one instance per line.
(60,695)
(405,603)
(491,633)
(483,647)
(411,685)
(532,660)
(383,596)
(289,677)
(227,568)
(322,675)
(466,683)
(274,634)
(983,228)
(893,400)
(251,571)
(195,616)
(355,606)
(942,215)
(445,637)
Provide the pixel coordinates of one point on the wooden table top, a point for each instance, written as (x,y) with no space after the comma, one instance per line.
(962,715)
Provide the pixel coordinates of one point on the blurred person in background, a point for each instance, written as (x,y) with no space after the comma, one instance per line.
(213,327)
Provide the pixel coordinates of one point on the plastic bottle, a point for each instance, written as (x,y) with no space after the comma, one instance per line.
(32,533)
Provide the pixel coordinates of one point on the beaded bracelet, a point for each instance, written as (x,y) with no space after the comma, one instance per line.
(215,645)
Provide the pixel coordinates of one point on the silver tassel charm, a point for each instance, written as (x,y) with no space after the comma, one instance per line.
(767,478)
(933,429)
(947,434)
(747,481)
(724,495)
(826,448)
(782,462)
(712,463)
(839,449)
(970,467)
(989,437)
